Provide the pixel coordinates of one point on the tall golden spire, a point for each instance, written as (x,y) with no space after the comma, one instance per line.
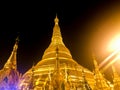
(100,80)
(115,74)
(95,62)
(12,60)
(56,42)
(56,37)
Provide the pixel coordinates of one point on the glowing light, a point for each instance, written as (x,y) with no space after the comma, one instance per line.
(115,43)
(111,63)
(109,57)
(115,48)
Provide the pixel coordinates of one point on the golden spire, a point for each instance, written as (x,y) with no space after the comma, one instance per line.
(56,42)
(100,81)
(56,37)
(56,20)
(12,60)
(94,61)
(115,73)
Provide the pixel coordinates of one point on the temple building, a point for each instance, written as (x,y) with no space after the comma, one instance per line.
(57,70)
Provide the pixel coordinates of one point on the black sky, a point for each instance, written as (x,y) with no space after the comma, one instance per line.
(80,23)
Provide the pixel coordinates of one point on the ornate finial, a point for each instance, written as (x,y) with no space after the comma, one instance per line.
(17,39)
(16,44)
(56,20)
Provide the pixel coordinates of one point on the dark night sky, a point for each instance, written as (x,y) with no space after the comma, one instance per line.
(86,26)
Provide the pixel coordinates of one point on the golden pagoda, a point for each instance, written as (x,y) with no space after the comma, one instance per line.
(57,70)
(9,76)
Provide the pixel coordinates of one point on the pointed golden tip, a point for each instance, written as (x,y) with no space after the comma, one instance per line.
(17,39)
(56,20)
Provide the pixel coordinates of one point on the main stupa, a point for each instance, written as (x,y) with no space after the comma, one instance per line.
(56,69)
